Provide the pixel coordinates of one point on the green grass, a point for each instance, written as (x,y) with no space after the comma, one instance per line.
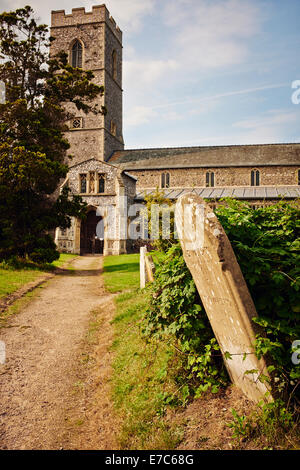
(63,258)
(18,305)
(121,272)
(12,279)
(142,387)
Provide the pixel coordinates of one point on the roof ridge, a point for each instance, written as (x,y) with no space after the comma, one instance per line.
(205,146)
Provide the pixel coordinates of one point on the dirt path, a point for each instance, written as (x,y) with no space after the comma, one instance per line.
(54,385)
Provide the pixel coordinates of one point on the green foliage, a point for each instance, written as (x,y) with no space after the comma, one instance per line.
(159,211)
(266,243)
(268,423)
(177,315)
(142,383)
(275,414)
(240,425)
(16,272)
(32,143)
(43,249)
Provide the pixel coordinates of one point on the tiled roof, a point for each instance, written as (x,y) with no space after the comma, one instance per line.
(214,156)
(239,192)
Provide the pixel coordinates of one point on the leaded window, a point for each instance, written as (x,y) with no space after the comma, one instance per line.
(210,179)
(255,176)
(101,183)
(83,183)
(165,180)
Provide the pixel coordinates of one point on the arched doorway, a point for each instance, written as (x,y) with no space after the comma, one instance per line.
(89,242)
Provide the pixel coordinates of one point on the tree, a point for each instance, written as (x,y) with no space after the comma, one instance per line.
(33,148)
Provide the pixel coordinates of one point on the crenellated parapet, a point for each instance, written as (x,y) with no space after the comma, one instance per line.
(92,41)
(79,16)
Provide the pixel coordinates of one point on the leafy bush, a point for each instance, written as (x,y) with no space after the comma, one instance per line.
(266,243)
(269,424)
(161,225)
(44,250)
(177,315)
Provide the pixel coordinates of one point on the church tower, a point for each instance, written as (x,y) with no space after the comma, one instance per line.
(93,41)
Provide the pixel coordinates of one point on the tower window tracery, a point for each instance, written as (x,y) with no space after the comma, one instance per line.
(77,54)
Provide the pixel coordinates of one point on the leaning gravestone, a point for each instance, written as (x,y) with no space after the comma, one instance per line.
(223,291)
(147,267)
(143,272)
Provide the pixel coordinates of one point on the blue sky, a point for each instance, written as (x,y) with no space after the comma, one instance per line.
(203,72)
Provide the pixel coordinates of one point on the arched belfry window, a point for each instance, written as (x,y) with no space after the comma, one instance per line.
(114,64)
(77,54)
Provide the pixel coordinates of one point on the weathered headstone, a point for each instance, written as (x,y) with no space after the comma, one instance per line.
(143,273)
(146,267)
(223,291)
(150,268)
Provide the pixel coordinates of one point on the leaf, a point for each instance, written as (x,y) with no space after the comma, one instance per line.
(227,355)
(251,371)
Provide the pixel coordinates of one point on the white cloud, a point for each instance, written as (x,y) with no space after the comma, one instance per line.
(173,116)
(212,34)
(260,135)
(272,126)
(199,34)
(271,119)
(208,102)
(264,127)
(138,115)
(145,72)
(128,14)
